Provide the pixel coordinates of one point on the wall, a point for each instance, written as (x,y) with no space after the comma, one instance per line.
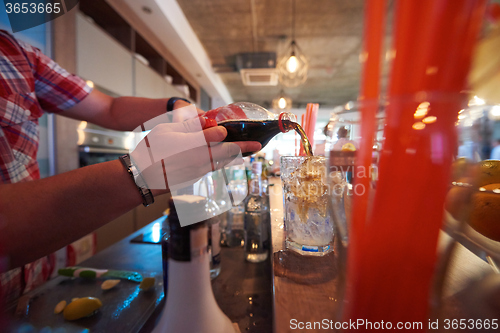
(205,101)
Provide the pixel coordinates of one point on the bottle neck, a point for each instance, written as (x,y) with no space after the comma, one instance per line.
(285,121)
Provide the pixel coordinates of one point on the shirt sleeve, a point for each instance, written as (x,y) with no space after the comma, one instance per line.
(55,88)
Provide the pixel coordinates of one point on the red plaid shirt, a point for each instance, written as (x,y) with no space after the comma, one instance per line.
(30,83)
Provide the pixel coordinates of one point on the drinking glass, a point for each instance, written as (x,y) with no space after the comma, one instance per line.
(309,229)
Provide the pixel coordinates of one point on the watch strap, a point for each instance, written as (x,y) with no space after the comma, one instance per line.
(144,191)
(172,100)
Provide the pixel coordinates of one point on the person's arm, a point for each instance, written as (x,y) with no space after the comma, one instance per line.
(120,113)
(41,216)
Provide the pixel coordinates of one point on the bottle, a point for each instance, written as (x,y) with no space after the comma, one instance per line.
(248,167)
(267,213)
(214,234)
(234,233)
(206,188)
(250,122)
(224,201)
(165,240)
(190,305)
(256,230)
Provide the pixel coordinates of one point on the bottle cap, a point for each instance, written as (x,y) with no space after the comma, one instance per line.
(257,167)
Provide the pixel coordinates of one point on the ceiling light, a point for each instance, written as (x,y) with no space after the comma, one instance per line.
(292,63)
(293,66)
(282,103)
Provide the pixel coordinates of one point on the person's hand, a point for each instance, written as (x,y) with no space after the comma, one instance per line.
(176,154)
(184,110)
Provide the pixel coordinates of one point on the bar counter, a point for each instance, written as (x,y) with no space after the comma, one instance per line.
(274,296)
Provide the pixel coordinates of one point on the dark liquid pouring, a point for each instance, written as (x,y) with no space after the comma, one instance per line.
(262,131)
(303,137)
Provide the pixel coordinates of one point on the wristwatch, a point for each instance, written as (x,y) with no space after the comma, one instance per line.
(172,100)
(144,191)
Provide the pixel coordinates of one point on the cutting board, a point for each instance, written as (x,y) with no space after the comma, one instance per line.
(125,308)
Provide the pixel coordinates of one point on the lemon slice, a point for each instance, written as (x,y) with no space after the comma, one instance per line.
(82,307)
(348,147)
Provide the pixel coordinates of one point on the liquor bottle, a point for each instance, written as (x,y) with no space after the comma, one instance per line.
(206,188)
(165,240)
(256,230)
(234,232)
(190,304)
(214,234)
(266,208)
(251,122)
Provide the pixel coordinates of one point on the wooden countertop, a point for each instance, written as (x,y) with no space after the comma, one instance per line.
(305,287)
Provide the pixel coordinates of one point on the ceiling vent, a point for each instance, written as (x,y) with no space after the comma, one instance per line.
(259,77)
(258,69)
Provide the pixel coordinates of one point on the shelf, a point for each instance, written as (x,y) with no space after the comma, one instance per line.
(105,17)
(142,47)
(109,20)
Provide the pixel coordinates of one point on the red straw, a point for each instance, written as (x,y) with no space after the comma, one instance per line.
(370,90)
(313,115)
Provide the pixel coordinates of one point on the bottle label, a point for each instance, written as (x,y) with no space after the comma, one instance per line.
(188,242)
(215,238)
(199,242)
